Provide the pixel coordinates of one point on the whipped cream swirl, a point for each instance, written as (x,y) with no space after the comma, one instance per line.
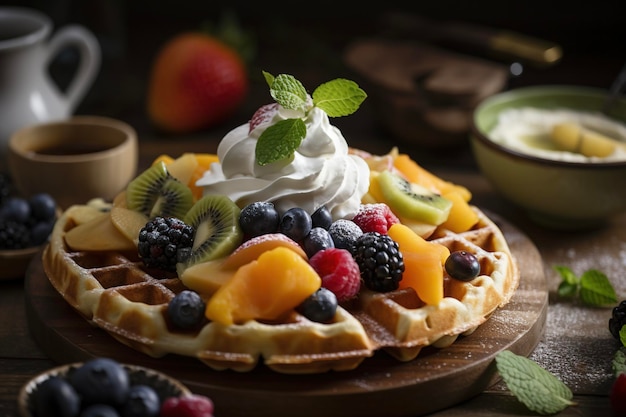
(321,172)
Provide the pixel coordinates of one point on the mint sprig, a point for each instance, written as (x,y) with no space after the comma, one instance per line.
(339,97)
(592,287)
(536,388)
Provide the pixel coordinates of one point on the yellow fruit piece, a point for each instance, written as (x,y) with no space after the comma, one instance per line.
(374,190)
(417,174)
(183,167)
(206,277)
(461,217)
(423,262)
(277,282)
(98,234)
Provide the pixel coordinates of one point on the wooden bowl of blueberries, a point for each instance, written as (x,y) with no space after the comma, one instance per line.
(105,387)
(25,225)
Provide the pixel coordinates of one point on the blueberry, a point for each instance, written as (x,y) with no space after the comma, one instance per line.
(15,209)
(344,233)
(318,239)
(42,206)
(40,232)
(295,223)
(101,380)
(186,309)
(142,401)
(462,265)
(322,218)
(99,410)
(259,218)
(320,306)
(56,397)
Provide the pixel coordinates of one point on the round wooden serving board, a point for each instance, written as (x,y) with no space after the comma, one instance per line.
(381,385)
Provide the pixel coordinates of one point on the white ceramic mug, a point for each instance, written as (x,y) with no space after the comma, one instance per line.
(27,93)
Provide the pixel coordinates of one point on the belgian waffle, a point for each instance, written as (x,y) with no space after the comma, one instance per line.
(115,292)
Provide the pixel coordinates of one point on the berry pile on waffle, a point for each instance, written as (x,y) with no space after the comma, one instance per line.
(172,266)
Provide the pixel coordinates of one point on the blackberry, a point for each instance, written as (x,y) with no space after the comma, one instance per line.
(380,261)
(165,241)
(618,319)
(14,235)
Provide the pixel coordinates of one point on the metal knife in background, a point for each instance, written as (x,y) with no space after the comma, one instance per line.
(501,44)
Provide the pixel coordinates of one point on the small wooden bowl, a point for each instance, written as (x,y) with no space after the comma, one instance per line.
(164,385)
(13,263)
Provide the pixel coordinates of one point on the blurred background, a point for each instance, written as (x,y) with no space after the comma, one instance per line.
(309,40)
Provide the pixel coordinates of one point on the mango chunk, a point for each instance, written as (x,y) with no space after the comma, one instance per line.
(574,138)
(264,289)
(461,217)
(423,261)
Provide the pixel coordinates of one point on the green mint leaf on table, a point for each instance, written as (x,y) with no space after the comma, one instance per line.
(338,97)
(619,360)
(596,290)
(536,388)
(593,287)
(279,141)
(622,335)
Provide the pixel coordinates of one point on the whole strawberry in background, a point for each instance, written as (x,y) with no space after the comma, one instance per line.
(197,82)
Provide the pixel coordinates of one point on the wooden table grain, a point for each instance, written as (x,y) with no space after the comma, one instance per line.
(576,346)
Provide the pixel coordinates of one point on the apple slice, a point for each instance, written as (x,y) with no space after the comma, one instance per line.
(98,234)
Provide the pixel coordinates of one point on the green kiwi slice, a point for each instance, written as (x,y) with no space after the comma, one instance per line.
(155,192)
(216,221)
(413,201)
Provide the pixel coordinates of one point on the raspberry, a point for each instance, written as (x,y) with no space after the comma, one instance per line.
(165,241)
(339,272)
(618,396)
(376,217)
(187,406)
(618,319)
(380,261)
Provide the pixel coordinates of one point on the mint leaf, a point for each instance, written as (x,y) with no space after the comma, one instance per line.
(596,289)
(339,97)
(269,78)
(533,386)
(279,141)
(288,92)
(622,335)
(619,360)
(567,274)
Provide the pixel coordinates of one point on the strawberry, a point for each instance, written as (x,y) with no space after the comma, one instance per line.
(262,115)
(197,81)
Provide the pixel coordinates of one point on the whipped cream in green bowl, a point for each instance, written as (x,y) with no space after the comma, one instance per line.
(515,147)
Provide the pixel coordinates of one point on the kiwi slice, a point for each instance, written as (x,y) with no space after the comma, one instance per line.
(155,192)
(216,221)
(413,201)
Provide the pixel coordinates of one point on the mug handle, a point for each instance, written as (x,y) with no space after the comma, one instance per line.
(90,56)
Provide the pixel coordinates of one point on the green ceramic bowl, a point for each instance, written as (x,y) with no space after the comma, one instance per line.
(557,194)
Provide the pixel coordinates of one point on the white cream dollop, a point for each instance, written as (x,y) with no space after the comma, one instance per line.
(321,171)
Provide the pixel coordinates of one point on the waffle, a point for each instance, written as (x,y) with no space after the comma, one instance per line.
(115,292)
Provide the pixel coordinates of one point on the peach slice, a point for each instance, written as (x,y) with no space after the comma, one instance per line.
(461,217)
(423,262)
(251,249)
(264,289)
